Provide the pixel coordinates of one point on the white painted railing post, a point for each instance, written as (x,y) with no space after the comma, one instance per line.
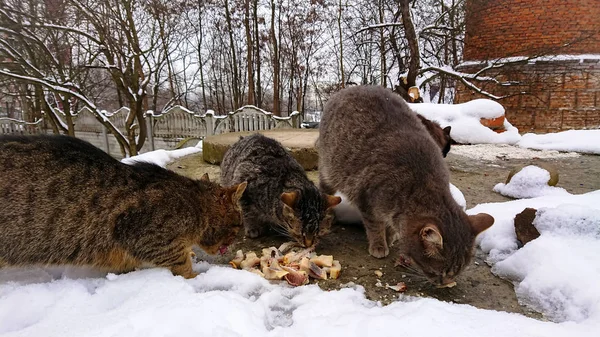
(150,128)
(105,139)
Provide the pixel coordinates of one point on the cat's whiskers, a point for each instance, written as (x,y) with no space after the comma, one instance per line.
(413,271)
(283,230)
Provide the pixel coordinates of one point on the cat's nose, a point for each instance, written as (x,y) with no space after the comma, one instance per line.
(308,240)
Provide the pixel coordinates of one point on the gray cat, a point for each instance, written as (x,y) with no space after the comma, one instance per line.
(376,151)
(279,195)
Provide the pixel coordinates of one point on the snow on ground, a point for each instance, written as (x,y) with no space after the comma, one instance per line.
(162,157)
(557,273)
(585,141)
(464,118)
(530,182)
(493,152)
(226,302)
(458,196)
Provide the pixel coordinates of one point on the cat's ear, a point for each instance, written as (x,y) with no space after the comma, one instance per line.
(237,191)
(289,198)
(432,240)
(480,222)
(447,130)
(205,177)
(333,200)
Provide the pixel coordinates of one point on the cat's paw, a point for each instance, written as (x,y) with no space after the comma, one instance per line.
(379,251)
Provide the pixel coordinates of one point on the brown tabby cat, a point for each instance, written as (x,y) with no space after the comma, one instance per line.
(279,195)
(375,150)
(65,202)
(440,136)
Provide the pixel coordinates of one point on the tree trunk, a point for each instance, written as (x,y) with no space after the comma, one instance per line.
(165,49)
(339,22)
(257,58)
(66,103)
(382,46)
(201,64)
(413,43)
(235,77)
(275,57)
(249,53)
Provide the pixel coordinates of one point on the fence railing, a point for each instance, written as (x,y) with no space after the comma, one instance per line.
(177,123)
(10,126)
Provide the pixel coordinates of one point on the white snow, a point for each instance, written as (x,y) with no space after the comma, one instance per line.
(493,152)
(585,141)
(345,212)
(557,273)
(226,302)
(464,118)
(161,157)
(530,182)
(458,196)
(558,57)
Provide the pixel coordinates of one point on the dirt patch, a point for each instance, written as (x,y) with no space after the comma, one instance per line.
(477,286)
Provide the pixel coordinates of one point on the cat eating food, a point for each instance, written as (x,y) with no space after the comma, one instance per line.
(66,202)
(279,194)
(376,151)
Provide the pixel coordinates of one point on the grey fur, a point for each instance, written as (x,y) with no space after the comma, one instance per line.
(376,151)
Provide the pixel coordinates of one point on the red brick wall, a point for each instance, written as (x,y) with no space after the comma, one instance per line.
(504,28)
(559,95)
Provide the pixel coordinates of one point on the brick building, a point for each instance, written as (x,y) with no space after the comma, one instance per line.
(553,49)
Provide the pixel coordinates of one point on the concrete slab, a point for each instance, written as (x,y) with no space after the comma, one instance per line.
(300,143)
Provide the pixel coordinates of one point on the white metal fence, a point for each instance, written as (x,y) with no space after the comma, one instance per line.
(172,126)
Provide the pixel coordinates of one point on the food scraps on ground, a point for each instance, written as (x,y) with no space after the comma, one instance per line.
(400,287)
(284,263)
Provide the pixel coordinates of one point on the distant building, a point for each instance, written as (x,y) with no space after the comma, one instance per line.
(558,43)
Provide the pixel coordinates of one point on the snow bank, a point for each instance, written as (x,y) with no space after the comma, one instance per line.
(492,152)
(162,157)
(557,273)
(464,119)
(467,129)
(227,302)
(584,141)
(530,182)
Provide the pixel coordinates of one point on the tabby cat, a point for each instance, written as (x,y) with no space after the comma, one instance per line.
(66,202)
(279,194)
(376,151)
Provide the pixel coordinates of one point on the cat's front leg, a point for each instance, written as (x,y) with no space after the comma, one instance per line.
(183,266)
(376,234)
(254,226)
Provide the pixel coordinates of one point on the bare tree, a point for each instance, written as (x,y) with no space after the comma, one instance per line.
(275,59)
(249,53)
